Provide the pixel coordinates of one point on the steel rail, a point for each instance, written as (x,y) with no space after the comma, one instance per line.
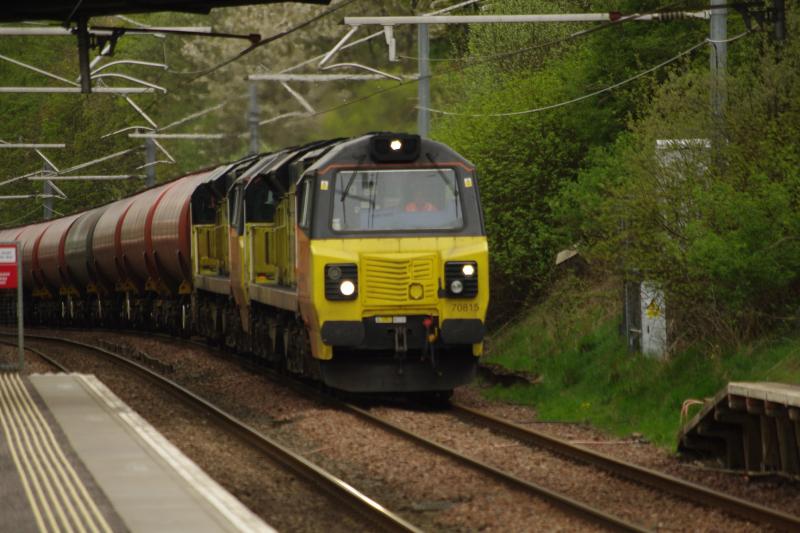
(565,503)
(47,358)
(360,504)
(663,482)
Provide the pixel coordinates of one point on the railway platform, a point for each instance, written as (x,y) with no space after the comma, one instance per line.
(753,427)
(74,457)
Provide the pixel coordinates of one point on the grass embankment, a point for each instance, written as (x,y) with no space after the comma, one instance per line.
(572,341)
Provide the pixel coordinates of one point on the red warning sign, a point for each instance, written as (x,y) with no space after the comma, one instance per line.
(8,266)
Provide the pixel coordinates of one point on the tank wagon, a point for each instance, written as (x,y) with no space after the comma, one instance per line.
(362,262)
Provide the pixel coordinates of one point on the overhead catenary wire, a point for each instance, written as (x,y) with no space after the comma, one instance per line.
(271,38)
(202,73)
(11,223)
(548,44)
(585,96)
(489,58)
(351,102)
(289,69)
(286,70)
(729,39)
(366,39)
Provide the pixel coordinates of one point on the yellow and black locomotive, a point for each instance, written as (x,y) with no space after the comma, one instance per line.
(360,262)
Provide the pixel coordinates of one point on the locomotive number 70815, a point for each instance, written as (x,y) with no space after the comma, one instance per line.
(465,308)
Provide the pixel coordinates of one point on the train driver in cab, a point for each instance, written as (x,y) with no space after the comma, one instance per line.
(420,202)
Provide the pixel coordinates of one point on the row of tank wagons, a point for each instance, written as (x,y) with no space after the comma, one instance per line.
(135,244)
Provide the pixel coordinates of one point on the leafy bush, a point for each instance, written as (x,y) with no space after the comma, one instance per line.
(585,372)
(713,218)
(524,160)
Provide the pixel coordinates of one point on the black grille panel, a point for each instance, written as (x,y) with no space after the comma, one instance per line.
(349,272)
(452,272)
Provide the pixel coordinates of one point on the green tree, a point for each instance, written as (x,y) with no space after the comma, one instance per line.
(525,159)
(712,218)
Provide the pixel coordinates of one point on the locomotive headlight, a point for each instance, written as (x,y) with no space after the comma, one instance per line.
(395,145)
(341,281)
(334,273)
(461,279)
(456,287)
(347,288)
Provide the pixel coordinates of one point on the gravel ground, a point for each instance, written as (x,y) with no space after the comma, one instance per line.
(433,492)
(630,501)
(33,363)
(778,494)
(277,496)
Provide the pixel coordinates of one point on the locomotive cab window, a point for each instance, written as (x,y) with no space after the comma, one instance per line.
(261,201)
(304,218)
(396,200)
(204,206)
(236,209)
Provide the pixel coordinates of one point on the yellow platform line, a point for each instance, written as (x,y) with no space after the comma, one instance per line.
(61,463)
(37,515)
(41,466)
(64,506)
(24,467)
(93,518)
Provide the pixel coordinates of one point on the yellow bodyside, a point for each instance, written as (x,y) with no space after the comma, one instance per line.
(210,246)
(387,267)
(270,254)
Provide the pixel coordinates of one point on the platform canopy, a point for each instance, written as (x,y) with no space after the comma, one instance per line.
(64,10)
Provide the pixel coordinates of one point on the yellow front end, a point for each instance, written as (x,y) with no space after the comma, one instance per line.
(397,278)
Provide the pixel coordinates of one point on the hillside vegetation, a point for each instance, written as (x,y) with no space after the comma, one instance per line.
(713,220)
(716,228)
(562,122)
(570,341)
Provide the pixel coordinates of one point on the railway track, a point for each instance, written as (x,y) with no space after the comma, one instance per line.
(683,489)
(49,360)
(560,500)
(359,504)
(694,493)
(568,505)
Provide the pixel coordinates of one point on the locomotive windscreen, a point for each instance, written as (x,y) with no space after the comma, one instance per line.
(396,200)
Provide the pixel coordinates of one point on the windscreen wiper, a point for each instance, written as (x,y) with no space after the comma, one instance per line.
(440,173)
(352,178)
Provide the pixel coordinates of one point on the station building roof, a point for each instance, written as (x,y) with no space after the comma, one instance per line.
(62,10)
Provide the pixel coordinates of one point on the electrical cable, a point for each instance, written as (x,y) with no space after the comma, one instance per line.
(202,73)
(11,223)
(595,93)
(579,98)
(493,57)
(252,47)
(72,13)
(553,42)
(271,38)
(729,40)
(384,90)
